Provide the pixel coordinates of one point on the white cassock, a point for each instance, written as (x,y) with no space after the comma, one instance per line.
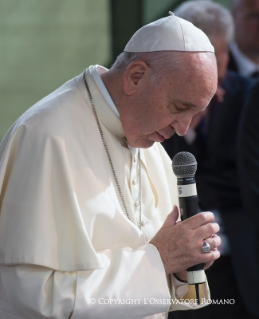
(67,248)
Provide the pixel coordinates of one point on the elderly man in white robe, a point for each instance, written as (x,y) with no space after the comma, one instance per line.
(88,224)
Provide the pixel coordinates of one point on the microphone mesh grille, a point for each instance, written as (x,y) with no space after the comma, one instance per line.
(184,164)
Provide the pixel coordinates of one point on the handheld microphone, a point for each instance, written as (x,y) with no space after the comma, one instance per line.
(184,166)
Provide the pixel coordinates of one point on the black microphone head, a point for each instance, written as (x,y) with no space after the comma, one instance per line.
(184,164)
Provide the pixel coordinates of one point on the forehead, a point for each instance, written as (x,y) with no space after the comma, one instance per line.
(195,85)
(196,78)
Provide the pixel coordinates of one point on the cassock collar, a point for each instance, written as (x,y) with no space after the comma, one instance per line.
(104,107)
(96,71)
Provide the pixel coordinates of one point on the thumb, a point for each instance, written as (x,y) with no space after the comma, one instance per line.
(171,218)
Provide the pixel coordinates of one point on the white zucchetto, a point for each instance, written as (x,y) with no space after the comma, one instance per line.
(169,34)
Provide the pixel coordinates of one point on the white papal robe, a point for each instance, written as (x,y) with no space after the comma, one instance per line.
(67,248)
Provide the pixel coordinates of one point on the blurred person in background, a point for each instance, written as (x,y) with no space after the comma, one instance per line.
(87,189)
(212,138)
(244,51)
(248,158)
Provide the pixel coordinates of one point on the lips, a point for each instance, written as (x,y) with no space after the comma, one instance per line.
(166,136)
(161,137)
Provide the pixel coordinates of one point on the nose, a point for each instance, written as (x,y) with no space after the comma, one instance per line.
(181,126)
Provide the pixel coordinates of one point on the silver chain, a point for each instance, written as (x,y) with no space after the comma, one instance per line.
(110,159)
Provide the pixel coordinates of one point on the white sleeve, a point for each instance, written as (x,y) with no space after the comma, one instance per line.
(132,284)
(31,291)
(131,276)
(128,287)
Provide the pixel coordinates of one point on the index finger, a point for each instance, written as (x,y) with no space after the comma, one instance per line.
(200,219)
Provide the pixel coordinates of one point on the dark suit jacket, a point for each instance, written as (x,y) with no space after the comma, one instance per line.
(217,179)
(248,160)
(232,65)
(248,155)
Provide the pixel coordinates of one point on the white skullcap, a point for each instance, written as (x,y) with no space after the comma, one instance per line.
(169,34)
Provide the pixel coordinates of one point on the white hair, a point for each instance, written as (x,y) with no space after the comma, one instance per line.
(212,18)
(159,62)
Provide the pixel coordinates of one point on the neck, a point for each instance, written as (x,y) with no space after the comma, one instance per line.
(113,84)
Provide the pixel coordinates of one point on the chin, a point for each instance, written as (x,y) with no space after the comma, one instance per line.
(147,145)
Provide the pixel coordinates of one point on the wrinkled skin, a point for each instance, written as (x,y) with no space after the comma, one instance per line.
(179,244)
(151,113)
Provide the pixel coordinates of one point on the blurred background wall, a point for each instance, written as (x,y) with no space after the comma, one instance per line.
(45,43)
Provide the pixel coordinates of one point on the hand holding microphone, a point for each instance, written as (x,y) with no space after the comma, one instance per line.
(180,244)
(184,166)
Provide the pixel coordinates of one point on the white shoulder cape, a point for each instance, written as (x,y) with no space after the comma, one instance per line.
(58,200)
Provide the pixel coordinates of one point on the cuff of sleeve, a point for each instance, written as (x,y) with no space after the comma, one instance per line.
(132,284)
(183,296)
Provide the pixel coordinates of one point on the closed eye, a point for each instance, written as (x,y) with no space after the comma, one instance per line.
(184,106)
(179,107)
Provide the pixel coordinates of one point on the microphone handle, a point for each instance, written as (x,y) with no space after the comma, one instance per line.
(188,204)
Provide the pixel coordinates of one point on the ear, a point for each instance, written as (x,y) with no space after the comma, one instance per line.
(135,76)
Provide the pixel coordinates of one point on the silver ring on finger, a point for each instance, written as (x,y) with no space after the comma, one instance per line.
(205,247)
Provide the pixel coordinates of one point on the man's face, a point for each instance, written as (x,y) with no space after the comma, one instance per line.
(157,112)
(246,18)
